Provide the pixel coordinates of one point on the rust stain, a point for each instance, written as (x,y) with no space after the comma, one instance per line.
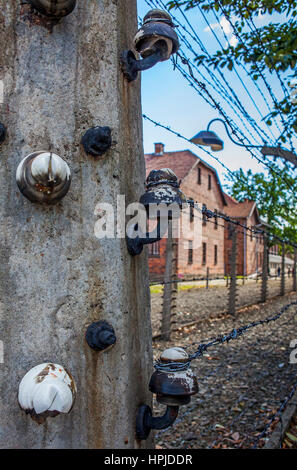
(33,18)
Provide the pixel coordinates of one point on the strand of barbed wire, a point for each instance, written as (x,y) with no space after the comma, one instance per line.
(231,173)
(205,51)
(280,410)
(227,378)
(261,74)
(198,41)
(211,214)
(233,127)
(235,334)
(261,375)
(234,68)
(217,82)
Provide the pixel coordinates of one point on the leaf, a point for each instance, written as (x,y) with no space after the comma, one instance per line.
(219,426)
(291,437)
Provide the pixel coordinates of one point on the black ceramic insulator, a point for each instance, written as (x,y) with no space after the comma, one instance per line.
(100,335)
(2,133)
(97,140)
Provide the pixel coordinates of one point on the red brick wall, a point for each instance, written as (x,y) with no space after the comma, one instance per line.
(249,249)
(213,200)
(157,263)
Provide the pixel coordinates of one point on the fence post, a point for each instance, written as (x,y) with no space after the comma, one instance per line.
(282,289)
(174,284)
(294,270)
(167,295)
(207,278)
(264,271)
(232,288)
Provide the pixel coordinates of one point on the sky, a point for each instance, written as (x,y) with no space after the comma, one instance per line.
(167,98)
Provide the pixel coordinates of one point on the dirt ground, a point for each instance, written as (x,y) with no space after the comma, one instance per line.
(201,304)
(242,383)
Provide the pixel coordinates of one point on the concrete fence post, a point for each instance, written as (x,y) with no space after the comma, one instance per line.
(294,270)
(283,273)
(264,270)
(207,278)
(168,286)
(233,273)
(56,276)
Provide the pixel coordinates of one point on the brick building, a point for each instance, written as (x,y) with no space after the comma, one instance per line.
(250,246)
(200,182)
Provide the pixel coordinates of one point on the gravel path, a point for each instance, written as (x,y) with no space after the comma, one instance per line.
(241,383)
(199,304)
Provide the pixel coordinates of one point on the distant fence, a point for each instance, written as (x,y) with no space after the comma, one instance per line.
(233,291)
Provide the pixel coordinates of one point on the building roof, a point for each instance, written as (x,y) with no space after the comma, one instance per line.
(278,259)
(181,162)
(242,210)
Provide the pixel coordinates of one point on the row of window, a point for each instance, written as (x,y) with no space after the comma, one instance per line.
(154,250)
(199,178)
(204,218)
(204,253)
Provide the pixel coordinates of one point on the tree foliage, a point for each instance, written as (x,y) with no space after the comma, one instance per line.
(275,204)
(267,48)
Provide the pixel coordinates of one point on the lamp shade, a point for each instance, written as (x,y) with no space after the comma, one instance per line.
(210,139)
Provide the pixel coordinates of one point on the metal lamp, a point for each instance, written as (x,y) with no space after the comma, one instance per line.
(210,139)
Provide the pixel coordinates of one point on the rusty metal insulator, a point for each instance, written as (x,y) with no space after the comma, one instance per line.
(155,41)
(174,387)
(174,383)
(43,177)
(156,33)
(162,187)
(46,391)
(54,8)
(163,200)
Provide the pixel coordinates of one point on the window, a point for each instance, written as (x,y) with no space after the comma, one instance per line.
(154,249)
(191,210)
(209,181)
(199,176)
(203,253)
(190,252)
(204,218)
(230,231)
(216,220)
(216,254)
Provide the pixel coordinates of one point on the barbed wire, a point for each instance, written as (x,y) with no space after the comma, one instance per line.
(235,130)
(236,333)
(259,71)
(280,410)
(197,40)
(178,134)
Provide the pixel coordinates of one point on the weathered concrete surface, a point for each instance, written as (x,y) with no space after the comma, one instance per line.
(55,276)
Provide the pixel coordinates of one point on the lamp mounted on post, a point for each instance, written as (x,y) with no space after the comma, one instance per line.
(211,139)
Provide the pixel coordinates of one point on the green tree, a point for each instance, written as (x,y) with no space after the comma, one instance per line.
(270,47)
(275,203)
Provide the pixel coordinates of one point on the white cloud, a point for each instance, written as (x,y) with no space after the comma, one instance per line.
(227,29)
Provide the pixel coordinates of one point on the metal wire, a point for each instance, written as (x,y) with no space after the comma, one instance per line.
(221,339)
(280,410)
